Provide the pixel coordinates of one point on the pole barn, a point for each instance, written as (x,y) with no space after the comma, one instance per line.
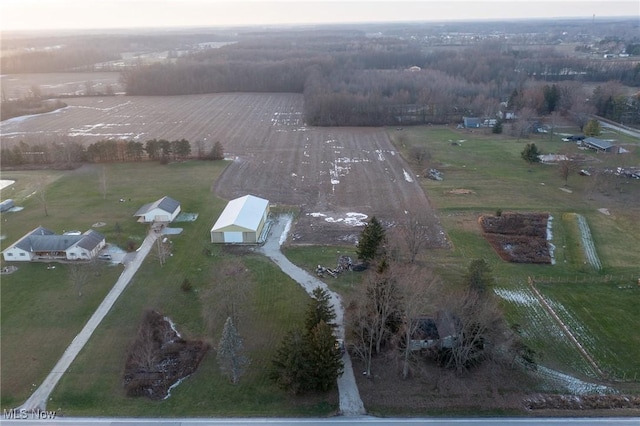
(241,222)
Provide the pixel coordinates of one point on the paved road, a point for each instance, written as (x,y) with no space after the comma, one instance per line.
(622,129)
(38,400)
(351,421)
(350,402)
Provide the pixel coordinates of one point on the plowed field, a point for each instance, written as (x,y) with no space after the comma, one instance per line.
(338,176)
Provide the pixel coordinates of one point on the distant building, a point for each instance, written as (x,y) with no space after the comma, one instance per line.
(166,209)
(242,221)
(597,144)
(471,122)
(44,244)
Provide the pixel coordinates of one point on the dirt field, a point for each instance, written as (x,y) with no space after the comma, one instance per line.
(337,176)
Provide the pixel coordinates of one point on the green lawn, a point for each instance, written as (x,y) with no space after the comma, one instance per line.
(41,312)
(491,167)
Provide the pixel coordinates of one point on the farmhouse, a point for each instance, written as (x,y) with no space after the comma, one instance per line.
(163,210)
(44,244)
(433,332)
(242,221)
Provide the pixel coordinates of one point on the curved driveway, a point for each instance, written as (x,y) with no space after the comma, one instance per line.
(350,402)
(38,400)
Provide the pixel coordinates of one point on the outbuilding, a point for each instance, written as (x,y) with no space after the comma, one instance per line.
(242,221)
(166,209)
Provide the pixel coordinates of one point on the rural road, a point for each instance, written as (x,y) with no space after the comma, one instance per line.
(38,400)
(350,402)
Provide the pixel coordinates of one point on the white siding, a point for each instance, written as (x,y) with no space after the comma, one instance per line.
(233,237)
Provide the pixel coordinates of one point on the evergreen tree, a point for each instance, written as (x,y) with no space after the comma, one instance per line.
(497,128)
(478,276)
(530,153)
(320,309)
(231,357)
(289,367)
(325,359)
(371,241)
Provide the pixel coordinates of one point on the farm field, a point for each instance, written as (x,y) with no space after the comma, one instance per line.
(336,176)
(323,174)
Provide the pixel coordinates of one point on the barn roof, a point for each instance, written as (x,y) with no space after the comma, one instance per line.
(245,212)
(598,143)
(165,203)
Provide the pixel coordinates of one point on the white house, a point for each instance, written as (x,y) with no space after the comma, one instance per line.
(242,221)
(44,244)
(166,209)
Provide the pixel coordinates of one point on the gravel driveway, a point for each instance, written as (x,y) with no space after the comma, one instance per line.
(350,402)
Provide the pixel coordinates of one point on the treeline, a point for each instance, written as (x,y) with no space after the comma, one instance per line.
(106,151)
(20,107)
(353,80)
(60,59)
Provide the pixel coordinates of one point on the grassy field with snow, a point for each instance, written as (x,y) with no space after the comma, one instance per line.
(484,173)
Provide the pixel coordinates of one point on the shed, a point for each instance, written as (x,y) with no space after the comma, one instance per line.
(242,221)
(471,122)
(163,210)
(597,144)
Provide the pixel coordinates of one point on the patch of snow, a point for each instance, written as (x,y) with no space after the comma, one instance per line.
(316,214)
(172,325)
(519,297)
(407,176)
(605,211)
(6,182)
(173,386)
(351,219)
(552,247)
(380,154)
(572,384)
(287,228)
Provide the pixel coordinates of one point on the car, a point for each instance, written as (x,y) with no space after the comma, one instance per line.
(104,256)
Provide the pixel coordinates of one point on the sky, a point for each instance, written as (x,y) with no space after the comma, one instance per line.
(103,14)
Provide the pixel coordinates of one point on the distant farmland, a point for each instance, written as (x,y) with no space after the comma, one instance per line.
(336,176)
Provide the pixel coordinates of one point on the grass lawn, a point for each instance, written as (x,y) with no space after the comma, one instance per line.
(492,169)
(51,315)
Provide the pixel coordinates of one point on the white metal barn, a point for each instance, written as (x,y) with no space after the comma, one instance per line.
(163,210)
(242,221)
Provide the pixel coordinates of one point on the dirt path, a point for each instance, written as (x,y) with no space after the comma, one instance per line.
(350,402)
(38,400)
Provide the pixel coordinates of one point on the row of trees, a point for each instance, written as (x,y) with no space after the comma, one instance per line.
(366,82)
(106,151)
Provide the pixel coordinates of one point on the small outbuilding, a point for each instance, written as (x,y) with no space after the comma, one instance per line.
(596,144)
(166,209)
(242,221)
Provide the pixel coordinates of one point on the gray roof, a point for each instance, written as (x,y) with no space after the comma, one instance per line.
(43,239)
(598,143)
(90,240)
(167,204)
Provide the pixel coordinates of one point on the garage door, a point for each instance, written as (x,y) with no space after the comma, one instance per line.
(233,237)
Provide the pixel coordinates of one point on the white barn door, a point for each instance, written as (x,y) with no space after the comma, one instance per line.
(233,237)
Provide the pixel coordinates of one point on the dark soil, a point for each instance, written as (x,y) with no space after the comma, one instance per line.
(518,237)
(159,358)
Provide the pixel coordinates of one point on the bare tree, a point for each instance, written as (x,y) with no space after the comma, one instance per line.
(419,288)
(411,235)
(41,190)
(565,169)
(103,182)
(79,276)
(232,283)
(163,250)
(361,332)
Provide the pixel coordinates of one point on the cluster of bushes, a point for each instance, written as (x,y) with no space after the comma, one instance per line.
(518,237)
(159,357)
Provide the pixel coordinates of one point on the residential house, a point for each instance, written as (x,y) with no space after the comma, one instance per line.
(44,244)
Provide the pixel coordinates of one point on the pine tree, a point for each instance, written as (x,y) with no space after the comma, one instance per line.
(325,359)
(231,357)
(320,309)
(530,153)
(478,276)
(289,367)
(372,238)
